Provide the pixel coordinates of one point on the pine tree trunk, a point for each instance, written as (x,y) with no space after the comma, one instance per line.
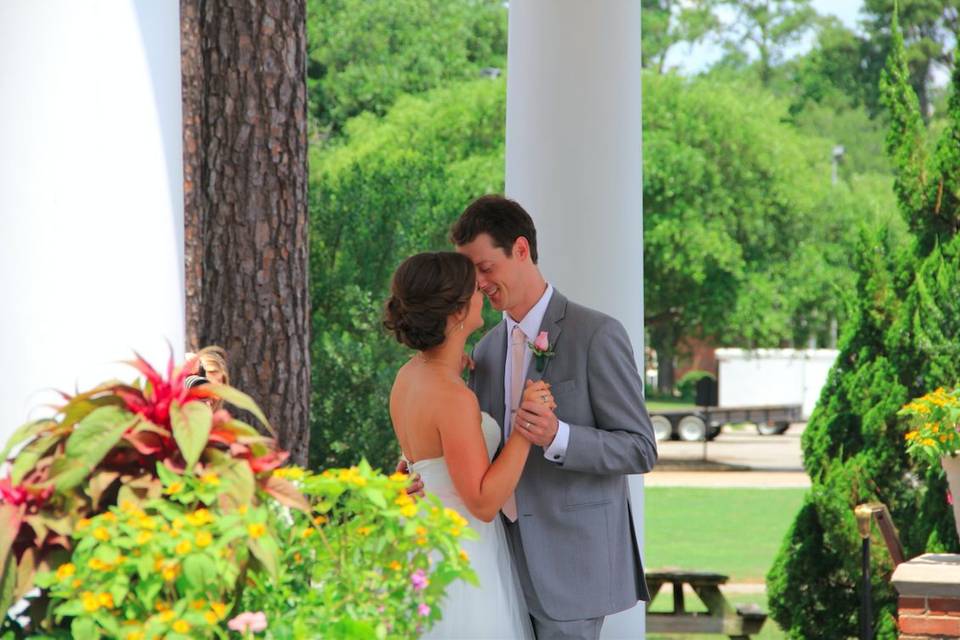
(245,144)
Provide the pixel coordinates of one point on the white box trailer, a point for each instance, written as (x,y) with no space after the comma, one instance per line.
(768,387)
(772,377)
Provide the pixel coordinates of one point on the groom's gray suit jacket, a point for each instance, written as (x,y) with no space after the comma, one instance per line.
(575,518)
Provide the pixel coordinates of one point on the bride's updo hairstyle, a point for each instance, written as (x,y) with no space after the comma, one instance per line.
(426,289)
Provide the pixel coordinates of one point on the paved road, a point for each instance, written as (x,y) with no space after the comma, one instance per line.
(736,458)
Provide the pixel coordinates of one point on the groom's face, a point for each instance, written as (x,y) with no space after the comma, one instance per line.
(497,272)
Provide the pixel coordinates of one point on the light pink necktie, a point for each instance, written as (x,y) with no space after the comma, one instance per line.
(518,342)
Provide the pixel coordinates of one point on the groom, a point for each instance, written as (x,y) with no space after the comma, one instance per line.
(569,523)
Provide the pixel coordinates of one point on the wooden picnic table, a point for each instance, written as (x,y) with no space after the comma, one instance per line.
(722,617)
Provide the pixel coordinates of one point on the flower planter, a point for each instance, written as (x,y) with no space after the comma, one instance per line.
(951,465)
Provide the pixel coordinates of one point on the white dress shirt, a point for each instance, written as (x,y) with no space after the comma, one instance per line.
(530,325)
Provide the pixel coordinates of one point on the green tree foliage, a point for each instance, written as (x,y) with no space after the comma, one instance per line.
(364,54)
(930,30)
(389,190)
(745,239)
(901,341)
(666,23)
(764,29)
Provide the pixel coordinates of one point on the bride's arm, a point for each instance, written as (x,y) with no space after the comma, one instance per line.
(483,486)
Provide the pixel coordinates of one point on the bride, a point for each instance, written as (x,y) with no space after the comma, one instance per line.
(435,305)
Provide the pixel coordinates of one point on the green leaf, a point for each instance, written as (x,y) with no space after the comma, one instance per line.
(84,628)
(238,480)
(265,550)
(98,433)
(242,401)
(66,473)
(24,433)
(191,429)
(199,569)
(27,459)
(376,497)
(8,583)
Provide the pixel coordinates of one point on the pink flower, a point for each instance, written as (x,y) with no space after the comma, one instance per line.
(419,580)
(542,342)
(423,609)
(249,621)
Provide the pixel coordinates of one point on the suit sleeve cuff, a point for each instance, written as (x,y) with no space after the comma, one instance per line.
(557,451)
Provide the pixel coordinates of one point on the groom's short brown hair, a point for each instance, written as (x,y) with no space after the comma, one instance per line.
(502,218)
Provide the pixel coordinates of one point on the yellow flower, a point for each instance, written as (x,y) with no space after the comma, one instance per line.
(181,626)
(162,606)
(177,524)
(256,530)
(421,531)
(183,547)
(101,534)
(210,617)
(421,541)
(455,516)
(456,531)
(210,479)
(309,532)
(396,566)
(399,477)
(409,511)
(98,565)
(144,537)
(365,530)
(109,516)
(174,488)
(403,500)
(203,539)
(319,520)
(297,557)
(200,517)
(90,602)
(64,571)
(943,437)
(76,583)
(242,509)
(199,604)
(167,616)
(170,572)
(219,608)
(83,523)
(135,635)
(105,600)
(464,556)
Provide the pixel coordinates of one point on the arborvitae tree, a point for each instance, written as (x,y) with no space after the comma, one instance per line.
(902,340)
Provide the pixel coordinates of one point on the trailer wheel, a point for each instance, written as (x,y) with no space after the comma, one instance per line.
(772,429)
(662,428)
(692,428)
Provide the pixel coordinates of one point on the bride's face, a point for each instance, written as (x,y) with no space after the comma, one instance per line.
(474,318)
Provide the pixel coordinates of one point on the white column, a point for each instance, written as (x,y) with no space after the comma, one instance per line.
(574,162)
(91,202)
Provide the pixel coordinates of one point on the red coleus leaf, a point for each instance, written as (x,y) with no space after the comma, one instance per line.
(146,442)
(223,436)
(268,462)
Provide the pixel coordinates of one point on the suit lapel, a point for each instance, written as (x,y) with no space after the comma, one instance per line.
(498,358)
(553,325)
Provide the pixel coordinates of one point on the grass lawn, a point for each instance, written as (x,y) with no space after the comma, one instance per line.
(666,405)
(736,532)
(732,531)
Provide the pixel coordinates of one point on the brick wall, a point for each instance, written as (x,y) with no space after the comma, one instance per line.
(929,604)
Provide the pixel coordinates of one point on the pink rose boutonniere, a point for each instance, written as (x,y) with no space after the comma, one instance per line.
(541,350)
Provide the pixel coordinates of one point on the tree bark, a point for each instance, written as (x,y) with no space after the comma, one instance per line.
(245,112)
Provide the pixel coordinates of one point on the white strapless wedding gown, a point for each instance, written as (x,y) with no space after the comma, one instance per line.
(496,609)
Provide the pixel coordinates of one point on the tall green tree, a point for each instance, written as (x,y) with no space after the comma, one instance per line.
(392,188)
(667,23)
(765,29)
(901,342)
(746,241)
(930,30)
(364,54)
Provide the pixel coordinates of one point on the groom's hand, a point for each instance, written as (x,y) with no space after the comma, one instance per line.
(536,422)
